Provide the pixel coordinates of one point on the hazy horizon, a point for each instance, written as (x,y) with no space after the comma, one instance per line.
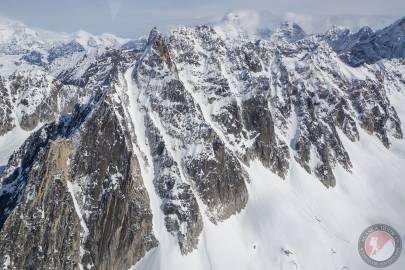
(131,19)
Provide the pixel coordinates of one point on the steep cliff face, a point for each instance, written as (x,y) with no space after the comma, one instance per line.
(179,205)
(169,131)
(196,156)
(251,89)
(44,226)
(227,82)
(80,202)
(6,117)
(73,196)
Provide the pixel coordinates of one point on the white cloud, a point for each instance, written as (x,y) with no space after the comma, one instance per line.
(322,23)
(240,22)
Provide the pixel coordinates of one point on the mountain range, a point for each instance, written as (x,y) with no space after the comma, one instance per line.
(209,147)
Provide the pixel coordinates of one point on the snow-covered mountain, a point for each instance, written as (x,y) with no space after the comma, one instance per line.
(22,47)
(367,46)
(211,147)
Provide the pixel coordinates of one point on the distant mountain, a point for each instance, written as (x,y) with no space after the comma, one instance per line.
(289,31)
(21,46)
(369,47)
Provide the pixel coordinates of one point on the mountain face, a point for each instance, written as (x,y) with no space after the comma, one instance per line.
(168,152)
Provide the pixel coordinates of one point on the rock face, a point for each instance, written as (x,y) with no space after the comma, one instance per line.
(44,225)
(79,177)
(226,80)
(179,205)
(186,113)
(252,89)
(6,118)
(93,195)
(206,164)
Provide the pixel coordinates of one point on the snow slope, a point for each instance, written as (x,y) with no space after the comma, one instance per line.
(298,223)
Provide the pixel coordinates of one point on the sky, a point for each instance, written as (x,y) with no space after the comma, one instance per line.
(133,18)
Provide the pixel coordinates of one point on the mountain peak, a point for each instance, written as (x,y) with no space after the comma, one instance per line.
(397,28)
(289,31)
(367,46)
(401,22)
(89,40)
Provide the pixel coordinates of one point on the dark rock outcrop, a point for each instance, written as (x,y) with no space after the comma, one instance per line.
(179,205)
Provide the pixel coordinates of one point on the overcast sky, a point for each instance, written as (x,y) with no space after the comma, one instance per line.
(131,18)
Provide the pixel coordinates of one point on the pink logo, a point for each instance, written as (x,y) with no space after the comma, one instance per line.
(380,245)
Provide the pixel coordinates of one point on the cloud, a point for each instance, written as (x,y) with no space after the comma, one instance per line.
(240,22)
(248,22)
(322,23)
(115,6)
(245,19)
